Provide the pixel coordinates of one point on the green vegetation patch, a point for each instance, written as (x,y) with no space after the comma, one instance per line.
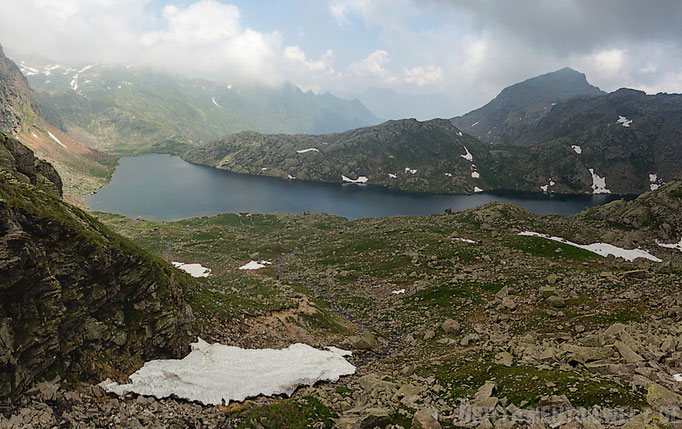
(289,413)
(464,376)
(543,247)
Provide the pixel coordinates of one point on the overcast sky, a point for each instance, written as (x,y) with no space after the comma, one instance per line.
(467,49)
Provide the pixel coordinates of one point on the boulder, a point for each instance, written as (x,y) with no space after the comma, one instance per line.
(426,419)
(504,359)
(556,301)
(364,341)
(627,353)
(663,400)
(451,327)
(547,291)
(373,418)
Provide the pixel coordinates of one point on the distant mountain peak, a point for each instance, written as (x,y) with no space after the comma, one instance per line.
(520,106)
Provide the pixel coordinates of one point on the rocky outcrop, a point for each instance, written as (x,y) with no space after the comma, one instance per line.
(656,214)
(22,164)
(76,299)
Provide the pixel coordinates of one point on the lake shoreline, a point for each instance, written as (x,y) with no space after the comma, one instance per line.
(166,187)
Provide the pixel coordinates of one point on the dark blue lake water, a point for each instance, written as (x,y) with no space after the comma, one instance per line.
(164,187)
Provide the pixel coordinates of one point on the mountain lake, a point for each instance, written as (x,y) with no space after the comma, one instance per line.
(165,187)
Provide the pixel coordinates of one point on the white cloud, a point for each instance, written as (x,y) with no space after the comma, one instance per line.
(467,50)
(210,37)
(373,65)
(609,62)
(202,23)
(295,55)
(424,75)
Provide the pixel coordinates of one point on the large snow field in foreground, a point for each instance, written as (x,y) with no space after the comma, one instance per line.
(216,373)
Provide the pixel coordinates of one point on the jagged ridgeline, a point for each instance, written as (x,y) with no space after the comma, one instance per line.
(75,298)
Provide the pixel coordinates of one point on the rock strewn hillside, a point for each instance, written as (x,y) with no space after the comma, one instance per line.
(520,106)
(76,299)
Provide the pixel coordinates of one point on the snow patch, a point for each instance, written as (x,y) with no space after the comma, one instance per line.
(459,133)
(74,80)
(56,139)
(477,189)
(448,174)
(465,240)
(290,177)
(398,292)
(545,188)
(255,265)
(216,373)
(194,270)
(409,170)
(677,377)
(392,176)
(677,246)
(598,183)
(624,121)
(475,174)
(577,149)
(312,149)
(475,123)
(654,183)
(215,102)
(468,156)
(360,179)
(601,249)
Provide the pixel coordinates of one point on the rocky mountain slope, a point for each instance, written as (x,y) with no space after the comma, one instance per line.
(520,106)
(629,138)
(431,156)
(76,300)
(82,169)
(128,108)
